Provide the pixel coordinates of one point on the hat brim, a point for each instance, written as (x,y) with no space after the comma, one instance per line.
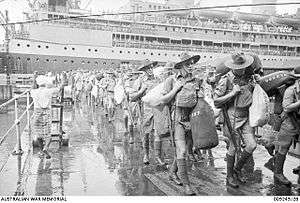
(296,75)
(230,63)
(190,61)
(147,66)
(135,73)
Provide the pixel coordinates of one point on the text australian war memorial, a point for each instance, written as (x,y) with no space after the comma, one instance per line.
(159,98)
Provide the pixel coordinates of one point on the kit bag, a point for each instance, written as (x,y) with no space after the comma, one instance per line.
(270,83)
(203,126)
(152,97)
(259,111)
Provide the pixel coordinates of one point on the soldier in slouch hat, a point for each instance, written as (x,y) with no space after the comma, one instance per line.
(135,87)
(146,111)
(180,120)
(289,129)
(233,94)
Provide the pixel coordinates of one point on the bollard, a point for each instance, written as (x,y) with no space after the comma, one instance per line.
(28,120)
(19,150)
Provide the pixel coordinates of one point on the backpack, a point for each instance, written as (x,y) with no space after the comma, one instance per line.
(187,96)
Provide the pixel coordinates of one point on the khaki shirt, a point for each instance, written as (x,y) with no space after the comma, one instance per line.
(288,99)
(224,87)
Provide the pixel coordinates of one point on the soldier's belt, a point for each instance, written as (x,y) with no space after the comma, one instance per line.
(241,113)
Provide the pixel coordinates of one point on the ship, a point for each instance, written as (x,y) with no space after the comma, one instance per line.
(73,38)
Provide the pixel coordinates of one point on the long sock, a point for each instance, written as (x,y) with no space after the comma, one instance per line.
(146,143)
(174,167)
(157,149)
(230,165)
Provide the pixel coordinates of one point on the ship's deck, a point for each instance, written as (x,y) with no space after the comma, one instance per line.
(99,161)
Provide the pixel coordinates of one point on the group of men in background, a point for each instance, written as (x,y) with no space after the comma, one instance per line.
(227,87)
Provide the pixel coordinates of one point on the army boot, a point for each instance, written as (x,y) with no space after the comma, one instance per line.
(241,162)
(183,175)
(173,174)
(279,178)
(146,149)
(230,180)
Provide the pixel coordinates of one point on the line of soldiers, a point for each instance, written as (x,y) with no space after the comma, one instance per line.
(232,83)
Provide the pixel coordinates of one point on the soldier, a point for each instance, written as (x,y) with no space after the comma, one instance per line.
(234,95)
(132,86)
(289,129)
(180,120)
(161,73)
(146,111)
(107,84)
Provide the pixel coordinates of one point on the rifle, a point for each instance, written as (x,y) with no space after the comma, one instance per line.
(171,125)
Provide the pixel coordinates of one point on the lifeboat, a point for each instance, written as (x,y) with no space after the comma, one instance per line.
(252,17)
(293,22)
(224,15)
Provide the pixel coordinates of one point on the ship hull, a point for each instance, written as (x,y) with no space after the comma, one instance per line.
(27,56)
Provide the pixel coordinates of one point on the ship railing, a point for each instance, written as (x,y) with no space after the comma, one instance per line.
(25,115)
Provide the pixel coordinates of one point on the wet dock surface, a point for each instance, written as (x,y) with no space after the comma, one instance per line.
(99,161)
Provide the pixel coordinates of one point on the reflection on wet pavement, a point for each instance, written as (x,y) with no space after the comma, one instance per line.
(99,161)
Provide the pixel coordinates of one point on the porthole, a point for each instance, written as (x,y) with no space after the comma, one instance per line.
(166,54)
(28,45)
(128,52)
(89,50)
(136,52)
(65,48)
(120,52)
(210,57)
(204,56)
(37,59)
(73,48)
(72,61)
(65,61)
(47,47)
(144,53)
(28,59)
(18,45)
(112,51)
(39,46)
(88,62)
(47,60)
(96,50)
(158,54)
(151,54)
